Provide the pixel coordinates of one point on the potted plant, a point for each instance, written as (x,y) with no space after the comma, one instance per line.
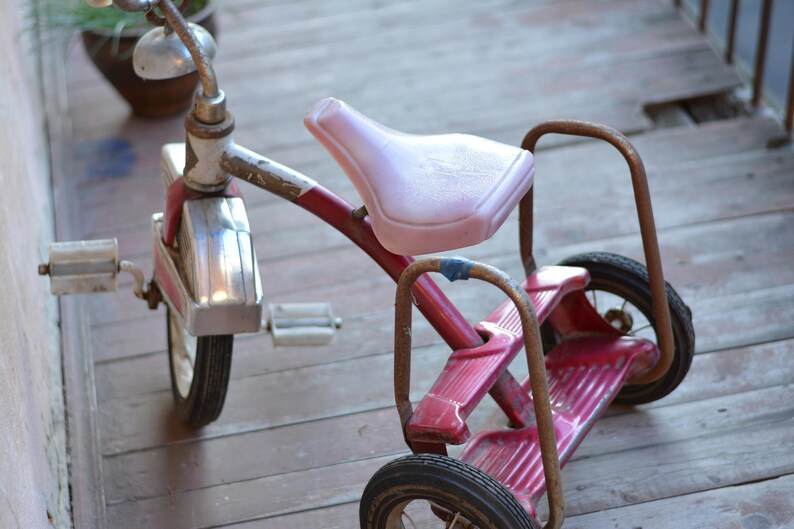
(109,37)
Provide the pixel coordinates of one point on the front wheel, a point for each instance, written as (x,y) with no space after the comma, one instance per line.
(200,368)
(620,291)
(429,490)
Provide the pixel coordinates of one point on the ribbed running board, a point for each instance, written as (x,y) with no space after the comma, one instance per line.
(584,375)
(470,373)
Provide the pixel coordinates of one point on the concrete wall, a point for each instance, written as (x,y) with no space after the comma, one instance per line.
(33,476)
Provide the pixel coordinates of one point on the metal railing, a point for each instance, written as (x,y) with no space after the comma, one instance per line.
(762,46)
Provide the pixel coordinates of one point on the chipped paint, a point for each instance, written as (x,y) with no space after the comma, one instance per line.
(266,174)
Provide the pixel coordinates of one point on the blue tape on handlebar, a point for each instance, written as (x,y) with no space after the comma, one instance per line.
(454,268)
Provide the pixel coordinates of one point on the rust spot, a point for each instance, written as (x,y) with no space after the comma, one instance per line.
(209,131)
(257,175)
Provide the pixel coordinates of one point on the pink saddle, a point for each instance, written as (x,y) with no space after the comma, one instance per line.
(424,194)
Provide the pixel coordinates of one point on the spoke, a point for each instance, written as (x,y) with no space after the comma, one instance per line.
(409,520)
(623,307)
(635,331)
(595,300)
(454,521)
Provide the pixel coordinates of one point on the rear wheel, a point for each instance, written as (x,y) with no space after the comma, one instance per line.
(200,368)
(620,291)
(433,491)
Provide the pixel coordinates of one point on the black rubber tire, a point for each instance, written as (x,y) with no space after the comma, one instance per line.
(449,483)
(200,393)
(628,279)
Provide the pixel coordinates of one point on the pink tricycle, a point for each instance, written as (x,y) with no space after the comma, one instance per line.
(612,330)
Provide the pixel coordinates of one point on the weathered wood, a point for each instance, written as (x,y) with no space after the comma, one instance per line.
(716,398)
(297,395)
(255,355)
(241,501)
(765,504)
(716,459)
(270,452)
(691,253)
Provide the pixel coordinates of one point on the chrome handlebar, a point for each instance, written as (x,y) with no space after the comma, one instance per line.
(125,5)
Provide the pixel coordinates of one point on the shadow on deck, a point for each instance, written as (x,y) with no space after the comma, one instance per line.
(303,429)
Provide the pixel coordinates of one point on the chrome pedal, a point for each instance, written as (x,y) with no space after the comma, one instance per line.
(82,267)
(295,324)
(91,267)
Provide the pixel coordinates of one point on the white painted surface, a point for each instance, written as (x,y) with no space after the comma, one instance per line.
(33,479)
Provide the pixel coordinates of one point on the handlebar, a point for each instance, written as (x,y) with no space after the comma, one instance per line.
(125,5)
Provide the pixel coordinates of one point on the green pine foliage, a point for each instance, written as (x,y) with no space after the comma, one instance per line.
(78,16)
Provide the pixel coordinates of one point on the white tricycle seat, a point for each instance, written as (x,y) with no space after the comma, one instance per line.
(424,194)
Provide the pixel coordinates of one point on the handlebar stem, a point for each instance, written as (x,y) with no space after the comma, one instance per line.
(212,108)
(129,5)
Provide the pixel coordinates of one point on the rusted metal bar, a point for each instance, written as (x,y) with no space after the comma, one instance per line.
(525,226)
(534,350)
(209,82)
(650,243)
(730,38)
(789,121)
(760,53)
(704,15)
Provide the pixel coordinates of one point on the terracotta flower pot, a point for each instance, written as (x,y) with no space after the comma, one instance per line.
(112,55)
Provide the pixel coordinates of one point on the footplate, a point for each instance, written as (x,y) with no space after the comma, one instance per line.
(584,375)
(470,373)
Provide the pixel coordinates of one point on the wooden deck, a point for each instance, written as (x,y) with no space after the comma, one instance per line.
(303,429)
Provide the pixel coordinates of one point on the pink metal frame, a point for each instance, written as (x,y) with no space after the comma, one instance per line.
(430,300)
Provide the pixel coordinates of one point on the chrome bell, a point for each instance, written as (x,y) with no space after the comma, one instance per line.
(160,54)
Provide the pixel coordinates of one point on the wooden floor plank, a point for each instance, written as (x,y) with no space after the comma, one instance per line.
(657,471)
(743,247)
(241,501)
(296,396)
(765,504)
(711,405)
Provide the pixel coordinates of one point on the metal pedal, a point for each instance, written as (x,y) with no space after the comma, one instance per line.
(82,267)
(89,267)
(292,324)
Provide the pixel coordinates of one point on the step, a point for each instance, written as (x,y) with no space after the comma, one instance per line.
(470,373)
(584,375)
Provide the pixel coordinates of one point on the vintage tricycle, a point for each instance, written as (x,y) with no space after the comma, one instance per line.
(598,328)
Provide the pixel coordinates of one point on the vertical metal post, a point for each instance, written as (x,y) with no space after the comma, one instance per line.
(547,437)
(704,15)
(730,39)
(789,121)
(650,243)
(760,52)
